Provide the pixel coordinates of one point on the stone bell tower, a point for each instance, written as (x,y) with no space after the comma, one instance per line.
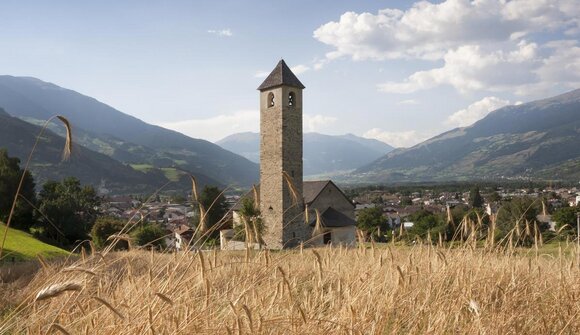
(281,152)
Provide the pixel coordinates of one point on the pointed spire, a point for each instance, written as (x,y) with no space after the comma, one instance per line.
(281,75)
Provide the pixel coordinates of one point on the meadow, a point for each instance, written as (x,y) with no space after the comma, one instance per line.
(23,246)
(423,289)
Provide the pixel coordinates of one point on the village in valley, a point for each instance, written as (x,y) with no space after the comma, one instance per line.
(178,218)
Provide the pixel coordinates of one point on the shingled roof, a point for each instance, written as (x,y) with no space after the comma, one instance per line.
(281,75)
(334,219)
(310,191)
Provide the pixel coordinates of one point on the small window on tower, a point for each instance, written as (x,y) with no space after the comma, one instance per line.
(291,99)
(270,99)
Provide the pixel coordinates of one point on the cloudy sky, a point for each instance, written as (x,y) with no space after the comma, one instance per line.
(397,71)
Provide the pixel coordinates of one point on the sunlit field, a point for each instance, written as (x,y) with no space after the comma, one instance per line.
(422,289)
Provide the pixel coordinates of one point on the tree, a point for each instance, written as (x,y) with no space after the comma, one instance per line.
(10,174)
(372,220)
(252,223)
(494,197)
(475,199)
(68,210)
(103,228)
(566,216)
(150,235)
(215,206)
(518,215)
(406,201)
(425,222)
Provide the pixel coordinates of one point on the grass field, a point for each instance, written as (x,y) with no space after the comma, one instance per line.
(23,246)
(171,174)
(395,290)
(142,167)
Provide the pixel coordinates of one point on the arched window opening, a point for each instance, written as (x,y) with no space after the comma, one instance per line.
(270,99)
(291,99)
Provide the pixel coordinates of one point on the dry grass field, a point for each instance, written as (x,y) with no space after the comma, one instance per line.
(399,290)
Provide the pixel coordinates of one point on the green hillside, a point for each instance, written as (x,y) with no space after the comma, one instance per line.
(23,246)
(88,166)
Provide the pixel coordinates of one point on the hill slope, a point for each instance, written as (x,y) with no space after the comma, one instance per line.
(23,246)
(528,140)
(90,167)
(126,138)
(323,154)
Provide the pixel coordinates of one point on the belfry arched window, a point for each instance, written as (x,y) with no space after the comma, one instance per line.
(270,99)
(291,99)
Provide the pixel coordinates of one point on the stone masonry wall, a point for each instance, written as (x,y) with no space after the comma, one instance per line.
(281,150)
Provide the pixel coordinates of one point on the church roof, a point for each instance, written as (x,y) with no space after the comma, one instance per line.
(333,219)
(310,191)
(281,75)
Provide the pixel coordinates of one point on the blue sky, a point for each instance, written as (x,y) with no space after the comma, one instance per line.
(398,71)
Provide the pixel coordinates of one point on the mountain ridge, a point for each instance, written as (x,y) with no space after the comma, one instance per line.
(323,154)
(511,142)
(90,167)
(33,99)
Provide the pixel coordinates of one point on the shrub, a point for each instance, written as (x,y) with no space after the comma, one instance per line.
(103,228)
(149,235)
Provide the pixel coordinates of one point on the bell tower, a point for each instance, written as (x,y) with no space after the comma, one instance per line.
(281,203)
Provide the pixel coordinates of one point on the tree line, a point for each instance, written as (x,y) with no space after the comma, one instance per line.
(516,219)
(66,213)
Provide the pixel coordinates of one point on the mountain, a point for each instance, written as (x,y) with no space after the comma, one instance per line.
(540,139)
(323,154)
(90,167)
(121,136)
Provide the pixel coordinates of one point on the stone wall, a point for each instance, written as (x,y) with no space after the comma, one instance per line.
(281,150)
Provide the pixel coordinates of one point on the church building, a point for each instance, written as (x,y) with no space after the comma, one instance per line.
(284,198)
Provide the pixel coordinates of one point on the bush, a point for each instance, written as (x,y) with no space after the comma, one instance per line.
(371,221)
(103,228)
(425,222)
(150,235)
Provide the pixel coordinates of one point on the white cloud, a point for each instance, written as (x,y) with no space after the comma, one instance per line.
(408,102)
(222,32)
(428,30)
(492,45)
(317,122)
(471,68)
(261,74)
(217,127)
(298,69)
(398,139)
(476,111)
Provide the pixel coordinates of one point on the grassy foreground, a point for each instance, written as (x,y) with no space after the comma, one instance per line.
(419,290)
(23,246)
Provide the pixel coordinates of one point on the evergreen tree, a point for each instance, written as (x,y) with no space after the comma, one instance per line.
(475,198)
(215,206)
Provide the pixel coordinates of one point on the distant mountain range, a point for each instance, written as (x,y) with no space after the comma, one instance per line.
(147,148)
(323,154)
(540,139)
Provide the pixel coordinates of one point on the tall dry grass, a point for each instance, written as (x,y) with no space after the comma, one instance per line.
(419,290)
